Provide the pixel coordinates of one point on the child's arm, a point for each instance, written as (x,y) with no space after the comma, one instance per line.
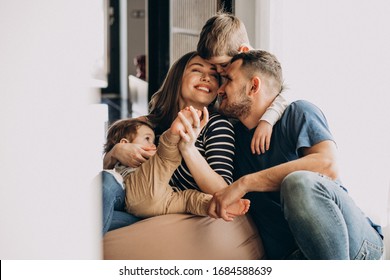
(262,136)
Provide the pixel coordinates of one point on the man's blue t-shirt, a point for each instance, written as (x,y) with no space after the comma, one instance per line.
(301,125)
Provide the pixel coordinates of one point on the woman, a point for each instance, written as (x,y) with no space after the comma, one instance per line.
(208,166)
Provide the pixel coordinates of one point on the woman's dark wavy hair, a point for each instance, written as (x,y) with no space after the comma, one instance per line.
(164,104)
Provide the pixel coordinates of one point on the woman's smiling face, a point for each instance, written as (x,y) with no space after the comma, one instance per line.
(199,84)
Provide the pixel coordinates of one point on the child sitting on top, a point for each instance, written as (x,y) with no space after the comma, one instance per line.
(223,36)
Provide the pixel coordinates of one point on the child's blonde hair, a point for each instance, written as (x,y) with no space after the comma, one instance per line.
(222,34)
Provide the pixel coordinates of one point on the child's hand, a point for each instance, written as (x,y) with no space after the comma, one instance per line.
(261,138)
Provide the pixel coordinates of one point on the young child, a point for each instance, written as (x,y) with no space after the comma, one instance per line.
(147,190)
(223,36)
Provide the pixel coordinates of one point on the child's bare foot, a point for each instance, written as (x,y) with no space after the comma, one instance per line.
(239,208)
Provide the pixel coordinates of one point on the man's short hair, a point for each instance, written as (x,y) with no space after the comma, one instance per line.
(263,62)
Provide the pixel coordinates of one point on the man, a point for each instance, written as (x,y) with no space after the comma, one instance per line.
(297,201)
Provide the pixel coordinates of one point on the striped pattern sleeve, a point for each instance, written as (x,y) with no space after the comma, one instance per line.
(216,144)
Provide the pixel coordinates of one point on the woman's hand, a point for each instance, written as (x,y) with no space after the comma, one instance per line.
(192,124)
(129,154)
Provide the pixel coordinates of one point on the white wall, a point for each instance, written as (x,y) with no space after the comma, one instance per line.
(49,151)
(336,54)
(246,11)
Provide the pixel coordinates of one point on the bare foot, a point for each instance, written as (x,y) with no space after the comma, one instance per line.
(239,208)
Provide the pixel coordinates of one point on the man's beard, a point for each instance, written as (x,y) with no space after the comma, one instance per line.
(237,109)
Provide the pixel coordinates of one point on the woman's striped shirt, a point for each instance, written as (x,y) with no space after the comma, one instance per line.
(216,144)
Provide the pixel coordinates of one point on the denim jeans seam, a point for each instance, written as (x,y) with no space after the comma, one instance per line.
(374,246)
(328,197)
(370,245)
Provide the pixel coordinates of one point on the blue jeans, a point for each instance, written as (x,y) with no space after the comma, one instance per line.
(324,220)
(114,213)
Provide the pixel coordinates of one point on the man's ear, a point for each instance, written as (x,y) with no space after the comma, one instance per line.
(244,48)
(256,83)
(124,140)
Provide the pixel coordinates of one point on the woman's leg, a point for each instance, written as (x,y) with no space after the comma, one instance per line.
(121,219)
(114,214)
(325,221)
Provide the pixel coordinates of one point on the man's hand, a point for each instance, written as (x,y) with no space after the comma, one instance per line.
(223,198)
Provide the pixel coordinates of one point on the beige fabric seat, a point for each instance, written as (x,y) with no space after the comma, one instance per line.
(185,237)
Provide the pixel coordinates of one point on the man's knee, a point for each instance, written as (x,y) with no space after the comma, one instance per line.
(296,193)
(298,181)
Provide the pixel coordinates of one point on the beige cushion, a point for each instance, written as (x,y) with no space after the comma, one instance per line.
(184,237)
